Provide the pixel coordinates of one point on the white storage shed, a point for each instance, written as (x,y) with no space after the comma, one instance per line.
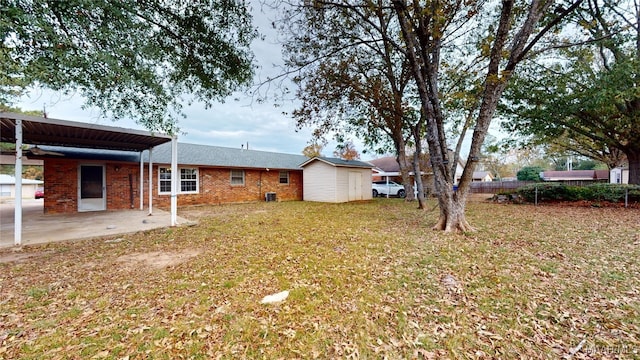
(336,180)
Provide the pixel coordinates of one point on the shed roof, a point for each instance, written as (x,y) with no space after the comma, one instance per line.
(45,131)
(339,162)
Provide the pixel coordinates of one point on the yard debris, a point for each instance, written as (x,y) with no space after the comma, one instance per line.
(532,284)
(274,298)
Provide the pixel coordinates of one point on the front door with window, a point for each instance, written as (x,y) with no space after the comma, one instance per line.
(91,192)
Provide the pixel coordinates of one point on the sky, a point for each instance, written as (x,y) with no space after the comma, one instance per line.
(237,121)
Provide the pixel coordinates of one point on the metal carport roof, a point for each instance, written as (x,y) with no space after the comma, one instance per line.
(25,129)
(44,131)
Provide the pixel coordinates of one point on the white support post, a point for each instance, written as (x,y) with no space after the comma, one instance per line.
(141,187)
(174,180)
(17,234)
(150,181)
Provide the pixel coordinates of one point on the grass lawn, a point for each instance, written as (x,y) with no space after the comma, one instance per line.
(366,280)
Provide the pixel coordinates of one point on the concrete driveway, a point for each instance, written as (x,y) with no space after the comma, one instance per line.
(38,228)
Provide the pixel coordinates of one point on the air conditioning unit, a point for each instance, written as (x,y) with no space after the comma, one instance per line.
(270,196)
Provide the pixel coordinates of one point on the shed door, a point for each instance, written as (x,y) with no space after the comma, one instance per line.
(91,192)
(355,186)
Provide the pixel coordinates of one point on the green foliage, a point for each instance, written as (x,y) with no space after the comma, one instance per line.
(593,192)
(129,58)
(7,108)
(588,101)
(529,173)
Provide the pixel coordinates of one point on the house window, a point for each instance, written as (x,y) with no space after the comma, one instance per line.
(188,181)
(284,177)
(165,180)
(237,177)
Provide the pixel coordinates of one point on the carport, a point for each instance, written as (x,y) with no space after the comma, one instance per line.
(24,129)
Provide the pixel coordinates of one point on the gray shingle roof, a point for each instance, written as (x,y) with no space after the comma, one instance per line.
(205,155)
(340,162)
(192,154)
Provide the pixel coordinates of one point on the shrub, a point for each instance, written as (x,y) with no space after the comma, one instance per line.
(529,173)
(593,192)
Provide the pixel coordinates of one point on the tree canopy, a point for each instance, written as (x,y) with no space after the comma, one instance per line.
(137,59)
(587,101)
(425,39)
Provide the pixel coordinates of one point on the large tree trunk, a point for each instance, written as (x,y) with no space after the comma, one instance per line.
(452,215)
(405,169)
(633,155)
(422,35)
(417,171)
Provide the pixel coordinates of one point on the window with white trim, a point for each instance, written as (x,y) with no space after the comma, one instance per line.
(284,177)
(237,177)
(188,181)
(164,180)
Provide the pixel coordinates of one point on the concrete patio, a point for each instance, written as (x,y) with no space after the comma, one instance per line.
(38,228)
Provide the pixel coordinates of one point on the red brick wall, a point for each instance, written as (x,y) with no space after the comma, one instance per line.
(123,186)
(61,186)
(215,187)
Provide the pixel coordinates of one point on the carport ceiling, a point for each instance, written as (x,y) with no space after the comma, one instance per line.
(44,131)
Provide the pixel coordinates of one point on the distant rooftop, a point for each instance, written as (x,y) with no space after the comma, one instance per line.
(575,175)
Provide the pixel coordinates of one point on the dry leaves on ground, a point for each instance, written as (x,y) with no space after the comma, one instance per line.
(365,280)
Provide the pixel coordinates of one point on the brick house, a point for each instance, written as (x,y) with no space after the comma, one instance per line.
(79,179)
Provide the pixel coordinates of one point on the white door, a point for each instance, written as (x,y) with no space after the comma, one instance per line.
(91,192)
(355,186)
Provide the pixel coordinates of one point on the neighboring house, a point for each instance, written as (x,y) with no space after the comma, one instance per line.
(335,180)
(386,165)
(81,179)
(388,168)
(576,175)
(619,176)
(8,187)
(10,159)
(482,176)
